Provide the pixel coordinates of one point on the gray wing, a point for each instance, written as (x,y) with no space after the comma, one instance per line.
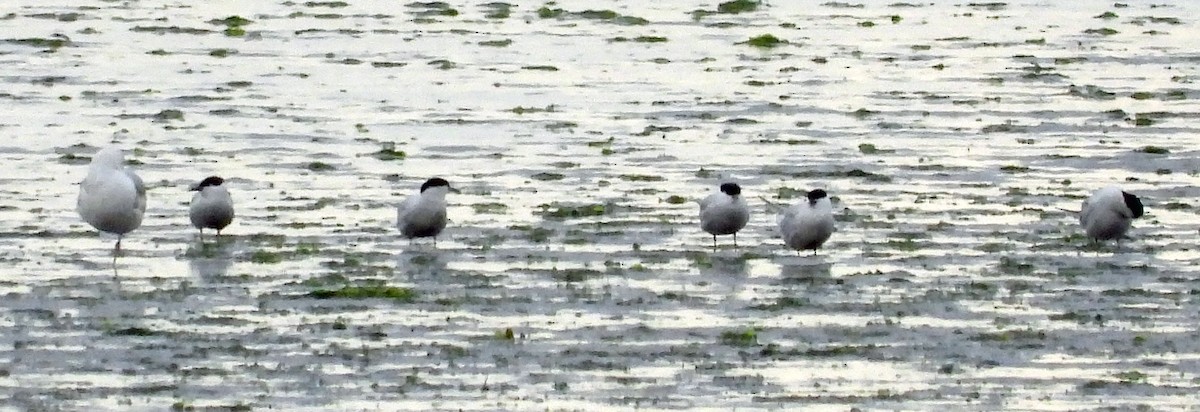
(139,187)
(1084,212)
(79,198)
(705,202)
(785,218)
(404,208)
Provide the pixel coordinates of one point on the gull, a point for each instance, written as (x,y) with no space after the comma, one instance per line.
(112,197)
(1108,214)
(807,224)
(212,207)
(424,214)
(724,213)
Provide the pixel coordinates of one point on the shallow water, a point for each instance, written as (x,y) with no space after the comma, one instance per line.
(951,136)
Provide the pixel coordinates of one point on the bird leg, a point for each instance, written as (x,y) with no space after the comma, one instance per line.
(116,253)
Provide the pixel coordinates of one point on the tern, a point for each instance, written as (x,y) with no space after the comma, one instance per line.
(724,213)
(1109,213)
(424,214)
(212,207)
(809,223)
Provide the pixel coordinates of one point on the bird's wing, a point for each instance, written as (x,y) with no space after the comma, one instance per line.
(708,201)
(789,217)
(774,207)
(1085,211)
(138,187)
(405,208)
(83,187)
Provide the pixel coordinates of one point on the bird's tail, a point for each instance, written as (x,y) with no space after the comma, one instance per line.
(772,206)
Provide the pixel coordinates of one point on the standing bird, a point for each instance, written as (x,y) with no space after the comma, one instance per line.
(1108,214)
(212,207)
(724,213)
(808,224)
(424,214)
(112,197)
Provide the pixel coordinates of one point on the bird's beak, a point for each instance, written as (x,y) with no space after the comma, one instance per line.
(455,190)
(194,188)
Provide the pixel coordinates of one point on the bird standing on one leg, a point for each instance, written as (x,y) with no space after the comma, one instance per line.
(424,214)
(808,224)
(212,206)
(724,213)
(112,198)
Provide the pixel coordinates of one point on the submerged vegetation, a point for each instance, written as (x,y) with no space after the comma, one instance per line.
(319,167)
(729,7)
(379,291)
(388,153)
(50,44)
(548,12)
(233,25)
(565,211)
(266,257)
(741,338)
(765,41)
(431,9)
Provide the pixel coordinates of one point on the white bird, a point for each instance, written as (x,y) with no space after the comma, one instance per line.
(724,213)
(112,197)
(1108,214)
(212,207)
(424,214)
(808,224)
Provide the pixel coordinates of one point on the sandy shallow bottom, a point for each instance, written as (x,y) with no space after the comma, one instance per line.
(574,275)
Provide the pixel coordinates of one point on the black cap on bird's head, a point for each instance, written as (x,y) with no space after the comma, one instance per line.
(731,189)
(815,195)
(1134,204)
(435,182)
(208,181)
